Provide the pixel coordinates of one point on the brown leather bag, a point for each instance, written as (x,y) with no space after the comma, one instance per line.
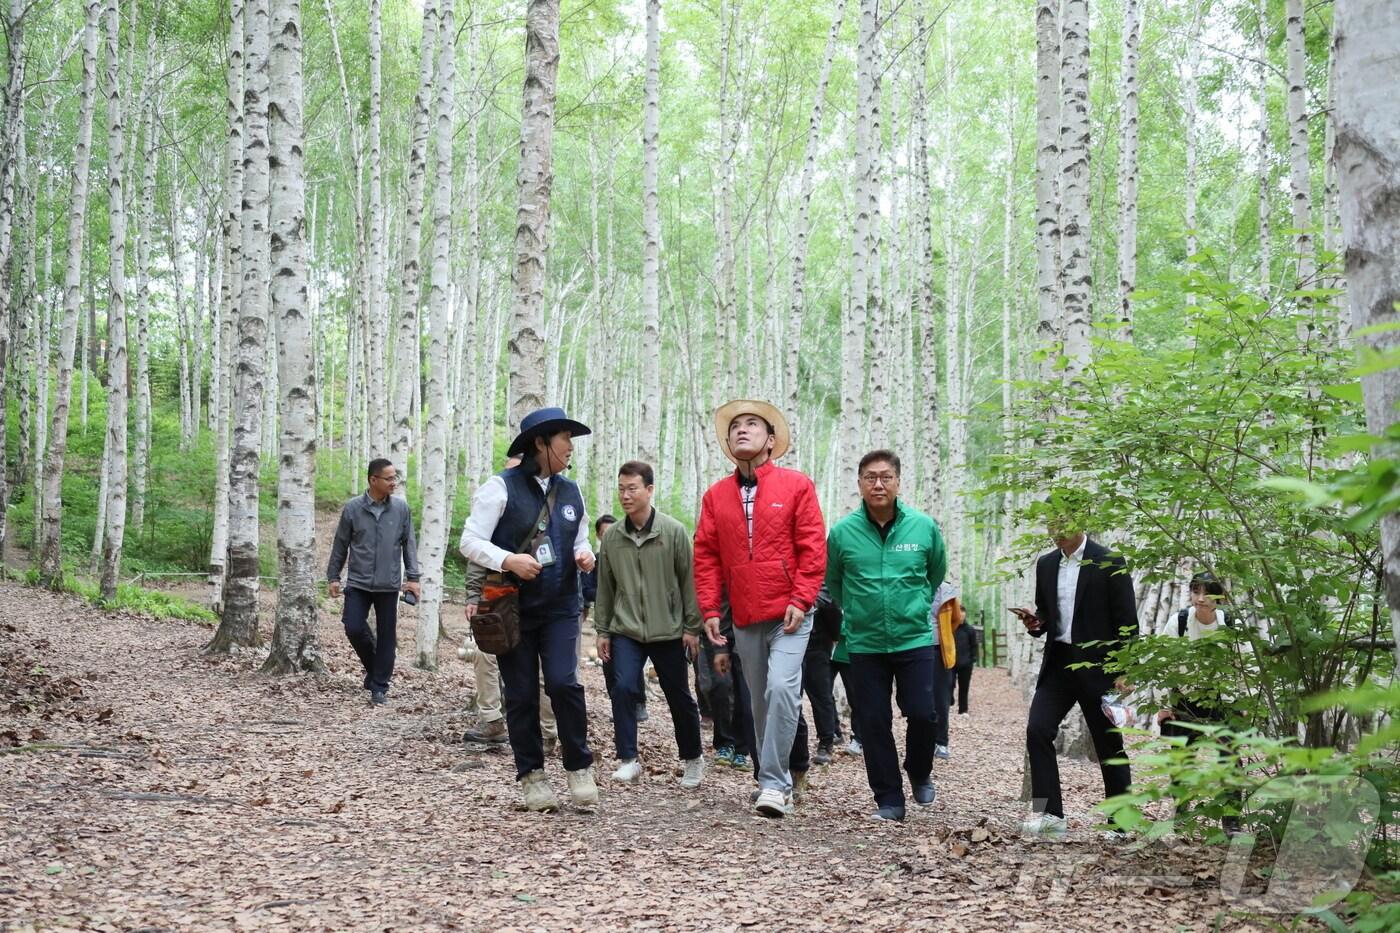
(496,624)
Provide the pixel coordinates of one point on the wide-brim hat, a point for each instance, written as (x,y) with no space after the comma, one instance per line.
(725,415)
(544,422)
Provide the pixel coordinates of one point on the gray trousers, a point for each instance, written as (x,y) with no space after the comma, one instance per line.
(773,671)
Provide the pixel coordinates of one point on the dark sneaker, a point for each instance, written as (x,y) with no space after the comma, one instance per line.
(740,761)
(642,715)
(889,814)
(488,733)
(724,755)
(823,755)
(924,793)
(378,698)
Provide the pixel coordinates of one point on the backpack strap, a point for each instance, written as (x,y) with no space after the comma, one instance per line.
(1181,623)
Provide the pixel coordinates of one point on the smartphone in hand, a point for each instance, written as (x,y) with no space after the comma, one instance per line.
(1028,618)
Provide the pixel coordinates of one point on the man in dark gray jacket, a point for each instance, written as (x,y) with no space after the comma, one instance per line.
(375,539)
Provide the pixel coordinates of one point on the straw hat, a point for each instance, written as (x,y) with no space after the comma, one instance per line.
(727,412)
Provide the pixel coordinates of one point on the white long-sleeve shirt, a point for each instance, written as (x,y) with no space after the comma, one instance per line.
(488,505)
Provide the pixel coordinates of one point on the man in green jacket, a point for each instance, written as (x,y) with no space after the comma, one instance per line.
(884,562)
(646,608)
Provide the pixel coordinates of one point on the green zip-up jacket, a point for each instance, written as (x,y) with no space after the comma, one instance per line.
(885,586)
(646,582)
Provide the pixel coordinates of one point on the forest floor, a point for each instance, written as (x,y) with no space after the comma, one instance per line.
(143,785)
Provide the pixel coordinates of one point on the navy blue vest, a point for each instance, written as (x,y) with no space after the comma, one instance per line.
(555,592)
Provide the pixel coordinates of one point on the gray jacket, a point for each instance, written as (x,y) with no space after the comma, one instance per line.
(374,546)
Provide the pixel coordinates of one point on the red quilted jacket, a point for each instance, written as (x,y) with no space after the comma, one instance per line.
(785,563)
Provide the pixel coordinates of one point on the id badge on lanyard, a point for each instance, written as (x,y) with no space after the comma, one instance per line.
(540,546)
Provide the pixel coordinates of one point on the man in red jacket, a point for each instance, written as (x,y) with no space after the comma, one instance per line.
(762,538)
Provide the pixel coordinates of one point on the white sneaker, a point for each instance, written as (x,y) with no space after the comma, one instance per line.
(582,790)
(694,771)
(940,751)
(629,772)
(853,747)
(1046,825)
(772,803)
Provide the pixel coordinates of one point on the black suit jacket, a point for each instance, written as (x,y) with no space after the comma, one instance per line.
(1103,600)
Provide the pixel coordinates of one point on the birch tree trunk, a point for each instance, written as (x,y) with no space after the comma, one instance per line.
(1050,328)
(1076,245)
(1189,92)
(651,241)
(1263,157)
(41,375)
(438,402)
(953,340)
(867,215)
(51,531)
(534,180)
(140,467)
(231,301)
(931,436)
(1367,33)
(377,300)
(406,344)
(1128,169)
(116,315)
(239,623)
(1299,150)
(295,645)
(10,154)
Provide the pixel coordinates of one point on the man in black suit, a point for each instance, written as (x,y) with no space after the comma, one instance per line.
(1083,594)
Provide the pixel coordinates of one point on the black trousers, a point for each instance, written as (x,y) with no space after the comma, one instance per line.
(942,697)
(1056,694)
(376,652)
(910,675)
(842,669)
(548,653)
(817,684)
(964,672)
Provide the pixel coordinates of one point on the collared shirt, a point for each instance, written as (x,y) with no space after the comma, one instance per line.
(633,529)
(1066,585)
(374,544)
(488,505)
(748,494)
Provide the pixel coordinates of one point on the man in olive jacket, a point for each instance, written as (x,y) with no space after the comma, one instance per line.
(646,608)
(884,562)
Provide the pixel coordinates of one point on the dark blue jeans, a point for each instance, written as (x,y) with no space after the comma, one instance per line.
(376,653)
(942,697)
(910,674)
(673,673)
(548,648)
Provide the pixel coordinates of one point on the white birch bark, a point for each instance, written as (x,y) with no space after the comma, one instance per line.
(239,623)
(534,180)
(377,300)
(1050,327)
(295,644)
(1367,33)
(953,337)
(231,300)
(44,362)
(116,315)
(1299,150)
(406,342)
(438,403)
(1076,244)
(1128,168)
(141,453)
(1263,158)
(10,157)
(50,537)
(1189,83)
(931,433)
(867,214)
(651,240)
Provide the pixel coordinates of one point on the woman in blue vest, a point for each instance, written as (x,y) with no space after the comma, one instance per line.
(506,511)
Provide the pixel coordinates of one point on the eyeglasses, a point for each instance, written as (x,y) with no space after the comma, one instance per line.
(388,480)
(879,479)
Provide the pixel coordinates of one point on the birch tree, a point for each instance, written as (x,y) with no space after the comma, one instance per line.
(1050,326)
(406,343)
(1128,167)
(651,240)
(534,179)
(239,622)
(1299,167)
(295,644)
(116,314)
(1075,242)
(376,309)
(438,399)
(1367,33)
(145,218)
(51,530)
(10,156)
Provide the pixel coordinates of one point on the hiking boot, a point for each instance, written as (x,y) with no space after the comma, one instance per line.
(799,786)
(940,751)
(772,803)
(1047,825)
(582,790)
(924,793)
(740,761)
(378,698)
(853,747)
(488,733)
(629,772)
(724,755)
(694,772)
(889,814)
(539,796)
(824,753)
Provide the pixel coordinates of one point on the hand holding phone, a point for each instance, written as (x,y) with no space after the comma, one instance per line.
(1028,618)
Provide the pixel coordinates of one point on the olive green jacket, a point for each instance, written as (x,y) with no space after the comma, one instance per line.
(646,582)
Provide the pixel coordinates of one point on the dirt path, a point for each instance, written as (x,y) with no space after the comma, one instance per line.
(143,786)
